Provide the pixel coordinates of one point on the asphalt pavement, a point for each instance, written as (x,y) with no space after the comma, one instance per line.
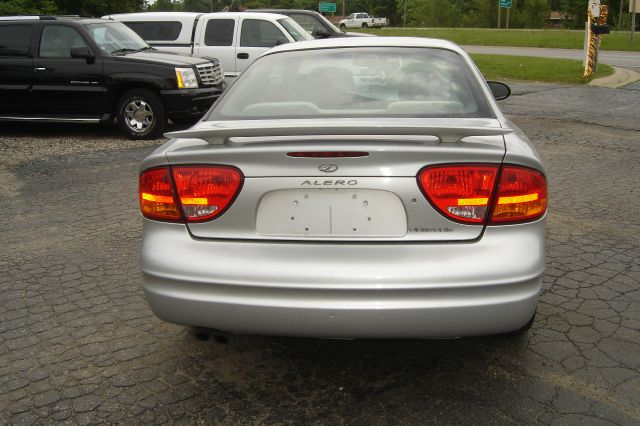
(79,345)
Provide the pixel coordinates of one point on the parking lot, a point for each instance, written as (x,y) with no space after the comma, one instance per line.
(79,344)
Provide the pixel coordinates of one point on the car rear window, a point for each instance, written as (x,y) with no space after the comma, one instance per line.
(15,40)
(356,82)
(157,31)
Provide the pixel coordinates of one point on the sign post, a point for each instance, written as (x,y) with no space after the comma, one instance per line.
(326,7)
(504,4)
(596,26)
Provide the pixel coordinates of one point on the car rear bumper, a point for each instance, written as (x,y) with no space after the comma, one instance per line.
(186,103)
(345,290)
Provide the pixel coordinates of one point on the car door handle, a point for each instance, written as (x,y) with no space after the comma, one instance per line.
(243,56)
(40,69)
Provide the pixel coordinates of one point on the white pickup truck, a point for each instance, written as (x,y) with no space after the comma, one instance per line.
(236,39)
(362,20)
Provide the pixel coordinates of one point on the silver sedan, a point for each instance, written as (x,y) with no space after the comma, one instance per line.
(348,188)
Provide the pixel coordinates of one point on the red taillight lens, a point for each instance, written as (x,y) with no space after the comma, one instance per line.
(522,195)
(157,200)
(464,193)
(203,192)
(461,192)
(206,191)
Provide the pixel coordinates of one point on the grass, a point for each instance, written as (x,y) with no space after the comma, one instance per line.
(565,39)
(566,71)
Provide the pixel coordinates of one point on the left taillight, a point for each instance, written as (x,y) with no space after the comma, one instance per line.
(191,193)
(157,198)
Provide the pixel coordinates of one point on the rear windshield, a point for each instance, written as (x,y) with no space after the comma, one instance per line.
(355,82)
(294,29)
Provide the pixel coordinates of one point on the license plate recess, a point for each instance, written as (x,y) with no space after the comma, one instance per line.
(362,213)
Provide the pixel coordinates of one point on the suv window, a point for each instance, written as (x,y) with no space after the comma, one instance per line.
(219,32)
(15,39)
(256,33)
(56,41)
(159,31)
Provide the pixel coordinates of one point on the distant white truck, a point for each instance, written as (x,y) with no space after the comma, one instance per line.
(236,39)
(362,20)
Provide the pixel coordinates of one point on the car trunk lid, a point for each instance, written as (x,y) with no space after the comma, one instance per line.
(364,198)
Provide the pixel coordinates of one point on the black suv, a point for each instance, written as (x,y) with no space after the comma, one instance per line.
(92,70)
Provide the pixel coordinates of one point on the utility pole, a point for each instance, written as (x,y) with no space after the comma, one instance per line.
(633,21)
(619,27)
(404,15)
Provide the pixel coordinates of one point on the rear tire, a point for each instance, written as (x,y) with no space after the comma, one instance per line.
(140,114)
(364,25)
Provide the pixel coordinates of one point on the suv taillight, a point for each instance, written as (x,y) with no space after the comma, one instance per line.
(191,193)
(465,193)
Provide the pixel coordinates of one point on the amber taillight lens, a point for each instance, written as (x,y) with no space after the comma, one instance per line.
(522,195)
(157,198)
(191,193)
(465,193)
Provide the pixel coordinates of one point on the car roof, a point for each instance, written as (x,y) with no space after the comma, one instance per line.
(142,15)
(367,42)
(300,11)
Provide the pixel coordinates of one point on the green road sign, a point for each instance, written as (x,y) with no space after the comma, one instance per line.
(331,7)
(504,3)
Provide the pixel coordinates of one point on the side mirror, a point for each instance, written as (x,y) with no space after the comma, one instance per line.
(500,90)
(83,52)
(320,33)
(281,40)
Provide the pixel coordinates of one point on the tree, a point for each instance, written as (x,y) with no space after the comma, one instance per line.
(98,7)
(165,6)
(27,7)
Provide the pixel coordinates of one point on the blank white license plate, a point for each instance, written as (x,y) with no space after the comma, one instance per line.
(331,213)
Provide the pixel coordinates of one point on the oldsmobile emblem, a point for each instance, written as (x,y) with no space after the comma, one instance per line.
(328,168)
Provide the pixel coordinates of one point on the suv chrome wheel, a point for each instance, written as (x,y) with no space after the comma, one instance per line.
(139,115)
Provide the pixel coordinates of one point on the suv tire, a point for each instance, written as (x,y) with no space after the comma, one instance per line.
(140,114)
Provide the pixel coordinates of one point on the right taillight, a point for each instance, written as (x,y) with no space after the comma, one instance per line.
(522,195)
(193,193)
(469,193)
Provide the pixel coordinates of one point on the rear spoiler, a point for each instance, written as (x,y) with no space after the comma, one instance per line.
(217,132)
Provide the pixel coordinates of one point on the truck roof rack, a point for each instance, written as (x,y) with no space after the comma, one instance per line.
(40,17)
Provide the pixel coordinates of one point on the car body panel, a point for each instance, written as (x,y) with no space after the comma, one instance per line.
(369,290)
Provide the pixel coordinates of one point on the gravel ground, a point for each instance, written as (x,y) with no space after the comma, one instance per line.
(78,344)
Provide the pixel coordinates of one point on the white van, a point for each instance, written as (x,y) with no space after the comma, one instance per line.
(236,39)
